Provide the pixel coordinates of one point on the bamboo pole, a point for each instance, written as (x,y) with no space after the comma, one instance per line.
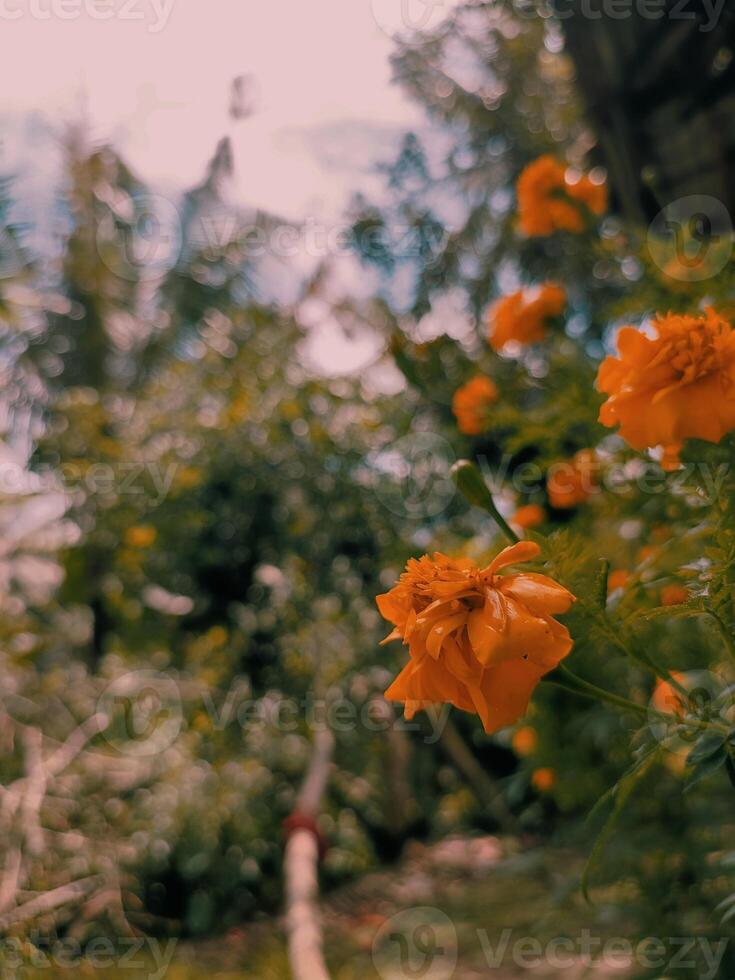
(303,921)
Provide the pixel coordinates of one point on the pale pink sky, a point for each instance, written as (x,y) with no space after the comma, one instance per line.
(158,84)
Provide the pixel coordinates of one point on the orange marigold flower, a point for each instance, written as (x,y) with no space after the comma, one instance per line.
(678,385)
(674,595)
(524,740)
(543,779)
(530,515)
(572,482)
(551,197)
(666,698)
(471,402)
(617,579)
(523,316)
(476,639)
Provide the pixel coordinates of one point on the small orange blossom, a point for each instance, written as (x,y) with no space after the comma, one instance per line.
(543,779)
(471,403)
(617,579)
(523,316)
(140,536)
(530,515)
(552,198)
(666,698)
(573,481)
(524,740)
(674,595)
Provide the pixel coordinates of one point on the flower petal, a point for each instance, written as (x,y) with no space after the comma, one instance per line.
(485,630)
(503,695)
(540,594)
(441,630)
(428,682)
(514,553)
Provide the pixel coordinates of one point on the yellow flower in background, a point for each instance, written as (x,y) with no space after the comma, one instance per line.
(677,385)
(551,197)
(471,403)
(188,477)
(477,639)
(217,636)
(140,536)
(523,316)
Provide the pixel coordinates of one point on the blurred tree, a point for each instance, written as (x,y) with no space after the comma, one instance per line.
(664,133)
(198,458)
(498,91)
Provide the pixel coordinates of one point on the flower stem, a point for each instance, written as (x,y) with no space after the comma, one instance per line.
(725,632)
(562,677)
(641,657)
(504,526)
(473,488)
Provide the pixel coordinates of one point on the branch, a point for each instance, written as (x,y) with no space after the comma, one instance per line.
(49,901)
(480,782)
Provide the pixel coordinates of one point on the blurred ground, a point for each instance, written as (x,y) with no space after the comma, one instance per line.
(483,885)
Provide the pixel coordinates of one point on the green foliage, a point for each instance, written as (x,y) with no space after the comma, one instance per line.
(228,515)
(498,91)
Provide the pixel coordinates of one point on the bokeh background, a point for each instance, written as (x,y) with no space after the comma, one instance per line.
(245,258)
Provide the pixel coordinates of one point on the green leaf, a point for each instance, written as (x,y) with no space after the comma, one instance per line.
(622,792)
(602,582)
(705,767)
(685,610)
(706,746)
